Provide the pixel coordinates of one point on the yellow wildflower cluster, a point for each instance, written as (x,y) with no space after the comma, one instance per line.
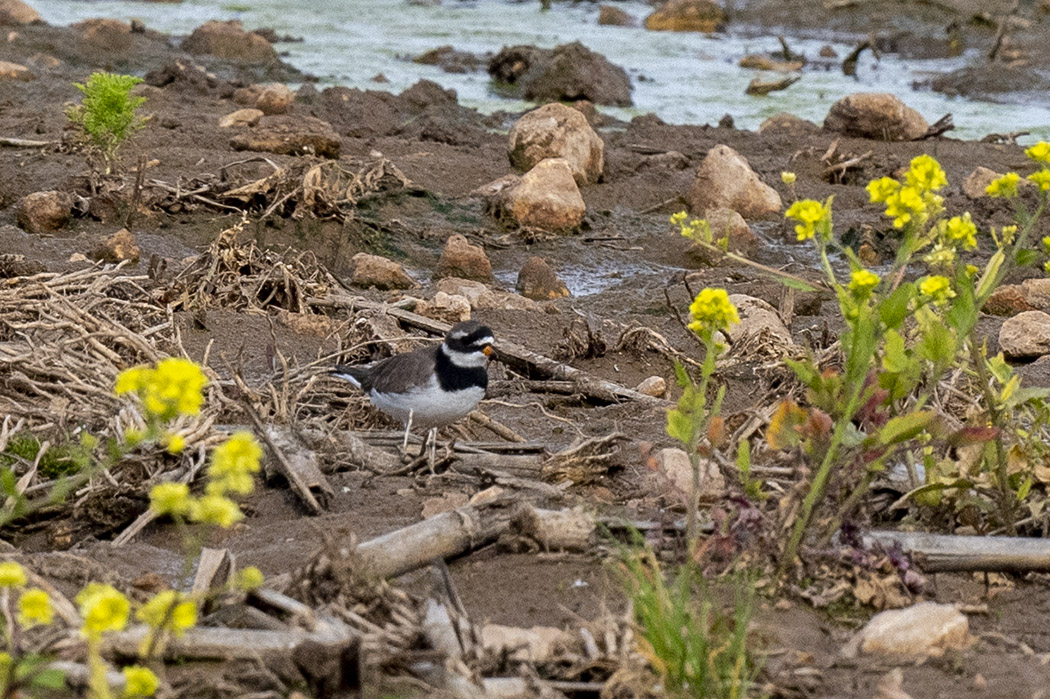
(1040,152)
(813,217)
(34,604)
(231,469)
(862,282)
(1004,187)
(174,387)
(712,310)
(788,178)
(960,231)
(915,201)
(139,681)
(696,229)
(937,288)
(169,611)
(12,574)
(103,608)
(250,578)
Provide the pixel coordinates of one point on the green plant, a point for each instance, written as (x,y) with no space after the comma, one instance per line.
(698,650)
(107,114)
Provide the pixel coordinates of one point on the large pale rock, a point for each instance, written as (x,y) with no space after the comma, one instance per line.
(275,99)
(288,135)
(241,117)
(557,131)
(922,630)
(481,297)
(537,281)
(674,465)
(784,124)
(1037,293)
(757,316)
(43,212)
(450,308)
(876,115)
(655,386)
(725,223)
(118,247)
(15,71)
(546,197)
(977,181)
(107,35)
(1026,335)
(1008,300)
(725,180)
(570,72)
(16,12)
(369,271)
(461,259)
(687,16)
(228,40)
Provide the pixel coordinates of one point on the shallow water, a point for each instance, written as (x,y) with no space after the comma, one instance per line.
(684,78)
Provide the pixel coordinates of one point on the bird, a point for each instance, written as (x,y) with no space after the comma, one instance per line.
(429,387)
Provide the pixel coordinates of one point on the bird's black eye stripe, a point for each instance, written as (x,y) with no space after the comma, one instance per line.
(473,338)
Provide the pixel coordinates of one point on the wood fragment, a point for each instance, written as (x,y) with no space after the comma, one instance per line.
(944,552)
(302,461)
(25,142)
(760,87)
(214,570)
(292,473)
(556,530)
(945,123)
(208,643)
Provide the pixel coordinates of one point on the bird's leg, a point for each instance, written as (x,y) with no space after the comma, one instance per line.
(432,439)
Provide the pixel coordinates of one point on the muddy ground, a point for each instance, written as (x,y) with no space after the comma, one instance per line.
(622,268)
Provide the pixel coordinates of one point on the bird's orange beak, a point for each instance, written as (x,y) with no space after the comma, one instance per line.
(487,350)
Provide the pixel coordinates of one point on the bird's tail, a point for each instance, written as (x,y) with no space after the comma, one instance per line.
(353,374)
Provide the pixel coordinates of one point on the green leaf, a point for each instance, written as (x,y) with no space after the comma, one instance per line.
(679,426)
(905,427)
(930,494)
(938,344)
(49,679)
(743,457)
(681,376)
(797,284)
(1026,486)
(1025,257)
(1023,395)
(894,308)
(895,357)
(990,278)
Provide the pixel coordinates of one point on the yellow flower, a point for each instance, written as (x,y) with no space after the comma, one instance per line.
(103,608)
(132,438)
(905,205)
(1007,233)
(233,463)
(1041,178)
(678,218)
(1005,186)
(1046,244)
(961,230)
(925,174)
(34,607)
(881,189)
(173,388)
(12,574)
(788,177)
(216,509)
(175,443)
(1039,152)
(139,681)
(862,282)
(972,270)
(250,578)
(712,310)
(170,611)
(940,256)
(813,217)
(937,288)
(170,499)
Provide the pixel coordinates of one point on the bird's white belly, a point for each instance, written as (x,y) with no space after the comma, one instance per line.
(429,405)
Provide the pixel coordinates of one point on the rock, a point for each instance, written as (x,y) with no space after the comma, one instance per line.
(783,123)
(493,189)
(15,71)
(247,95)
(687,16)
(229,41)
(539,644)
(566,73)
(612,16)
(461,259)
(369,271)
(241,117)
(754,61)
(725,180)
(827,51)
(557,131)
(288,135)
(978,180)
(275,99)
(725,222)
(537,281)
(44,61)
(481,297)
(922,630)
(447,307)
(118,247)
(1007,300)
(654,386)
(1037,293)
(674,464)
(184,75)
(670,160)
(1026,335)
(757,317)
(879,116)
(546,197)
(43,212)
(316,324)
(16,12)
(450,60)
(106,35)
